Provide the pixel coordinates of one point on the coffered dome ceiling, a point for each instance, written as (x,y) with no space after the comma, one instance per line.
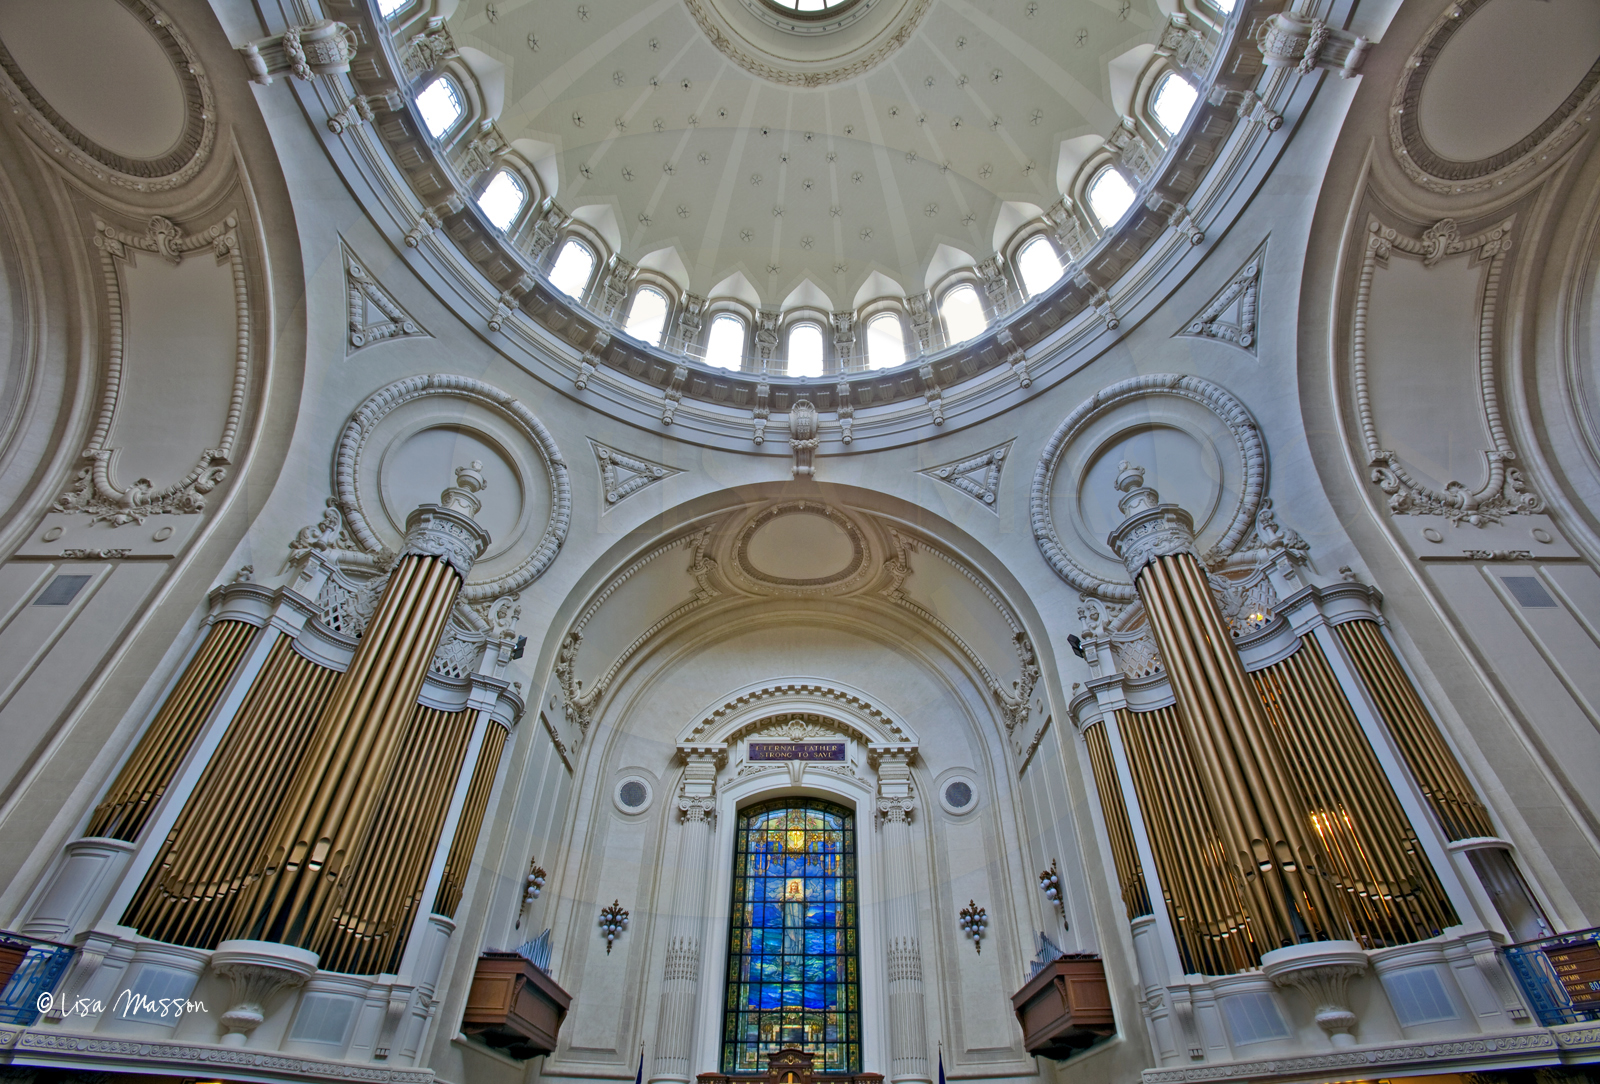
(714,138)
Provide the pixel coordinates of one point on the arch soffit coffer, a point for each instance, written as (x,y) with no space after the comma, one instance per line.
(877,569)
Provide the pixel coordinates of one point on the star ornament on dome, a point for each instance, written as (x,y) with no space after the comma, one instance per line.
(746,236)
(772,269)
(533,42)
(683,211)
(866,233)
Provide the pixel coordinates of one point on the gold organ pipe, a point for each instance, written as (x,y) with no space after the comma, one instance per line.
(465,843)
(191,887)
(1224,715)
(1391,893)
(1124,853)
(330,805)
(144,778)
(1208,919)
(369,926)
(1443,782)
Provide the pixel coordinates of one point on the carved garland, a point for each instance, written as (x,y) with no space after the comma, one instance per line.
(797,689)
(170,170)
(1504,492)
(352,443)
(1439,174)
(94,491)
(1252,458)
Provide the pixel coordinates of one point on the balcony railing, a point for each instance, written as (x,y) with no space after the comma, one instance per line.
(1560,976)
(30,969)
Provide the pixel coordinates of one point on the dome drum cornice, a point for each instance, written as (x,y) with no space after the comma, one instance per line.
(385,70)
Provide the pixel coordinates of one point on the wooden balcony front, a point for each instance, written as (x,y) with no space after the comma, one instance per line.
(1065,1008)
(513,1006)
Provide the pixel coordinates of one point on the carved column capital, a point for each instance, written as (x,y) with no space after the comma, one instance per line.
(447,530)
(1322,970)
(697,793)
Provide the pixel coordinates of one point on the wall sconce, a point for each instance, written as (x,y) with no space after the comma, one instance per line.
(974,923)
(531,888)
(613,920)
(1050,884)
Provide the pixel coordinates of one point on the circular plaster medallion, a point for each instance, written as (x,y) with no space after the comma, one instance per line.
(115,85)
(801,547)
(1463,112)
(1204,448)
(419,420)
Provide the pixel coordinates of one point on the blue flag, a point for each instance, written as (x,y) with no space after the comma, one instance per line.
(941,1063)
(638,1078)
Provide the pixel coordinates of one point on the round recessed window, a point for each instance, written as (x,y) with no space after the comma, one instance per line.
(958,796)
(632,795)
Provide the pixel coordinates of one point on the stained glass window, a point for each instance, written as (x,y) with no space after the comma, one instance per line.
(792,957)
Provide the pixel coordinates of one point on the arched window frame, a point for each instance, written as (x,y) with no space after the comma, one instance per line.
(586,239)
(967,276)
(1144,99)
(806,314)
(653,280)
(416,16)
(1012,252)
(475,120)
(1086,175)
(719,306)
(893,306)
(532,191)
(447,139)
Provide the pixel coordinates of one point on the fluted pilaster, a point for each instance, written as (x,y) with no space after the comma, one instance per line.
(896,807)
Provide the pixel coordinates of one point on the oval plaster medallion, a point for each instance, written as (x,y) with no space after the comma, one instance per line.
(802,547)
(113,87)
(1463,119)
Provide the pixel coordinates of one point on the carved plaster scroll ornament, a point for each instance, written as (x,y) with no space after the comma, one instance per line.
(1014,356)
(509,299)
(1231,412)
(803,439)
(432,218)
(447,530)
(1322,971)
(978,476)
(95,491)
(674,393)
(623,474)
(932,393)
(847,411)
(375,316)
(589,364)
(259,972)
(322,48)
(1290,40)
(1150,529)
(1230,316)
(428,49)
(363,109)
(1503,492)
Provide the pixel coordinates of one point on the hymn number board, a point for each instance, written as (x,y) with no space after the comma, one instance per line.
(797,750)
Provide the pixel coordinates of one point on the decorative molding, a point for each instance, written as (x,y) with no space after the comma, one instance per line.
(1290,40)
(366,294)
(1444,175)
(578,704)
(1230,315)
(97,1053)
(861,707)
(352,445)
(321,48)
(803,438)
(94,491)
(858,568)
(978,476)
(802,77)
(1420,1054)
(622,475)
(1014,702)
(1503,493)
(171,170)
(1252,458)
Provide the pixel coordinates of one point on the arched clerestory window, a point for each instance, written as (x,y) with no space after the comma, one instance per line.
(793,963)
(1039,266)
(647,316)
(502,199)
(1172,101)
(886,342)
(805,350)
(573,268)
(1110,196)
(962,313)
(725,343)
(442,105)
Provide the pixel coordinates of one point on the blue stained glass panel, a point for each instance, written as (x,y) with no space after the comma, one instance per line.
(792,968)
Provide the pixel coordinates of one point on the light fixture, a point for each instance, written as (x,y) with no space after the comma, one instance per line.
(1050,884)
(974,923)
(613,920)
(531,888)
